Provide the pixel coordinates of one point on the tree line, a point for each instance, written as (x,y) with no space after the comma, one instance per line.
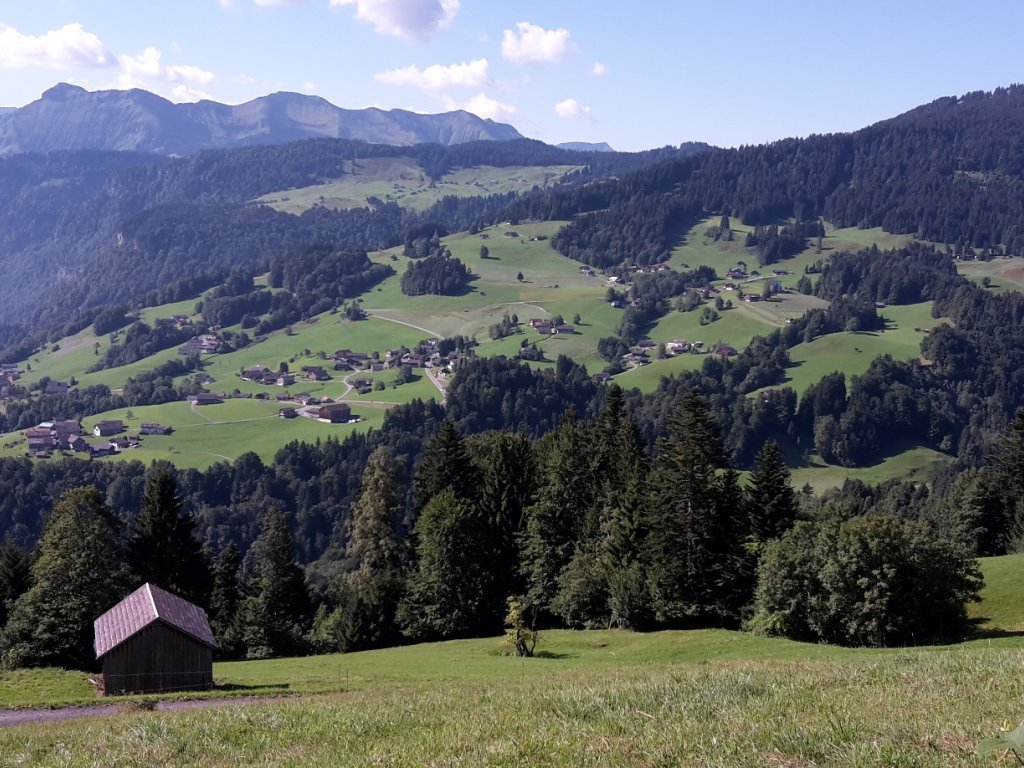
(583,527)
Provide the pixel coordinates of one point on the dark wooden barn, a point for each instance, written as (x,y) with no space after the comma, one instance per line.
(154,641)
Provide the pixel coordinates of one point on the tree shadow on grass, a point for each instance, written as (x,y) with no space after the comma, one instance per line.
(551,655)
(259,687)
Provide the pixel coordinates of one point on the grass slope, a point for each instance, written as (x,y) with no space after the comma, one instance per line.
(402,181)
(704,697)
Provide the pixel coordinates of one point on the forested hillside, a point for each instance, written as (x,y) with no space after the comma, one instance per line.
(950,172)
(70,219)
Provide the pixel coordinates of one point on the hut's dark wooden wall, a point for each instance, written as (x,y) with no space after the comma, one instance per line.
(159,658)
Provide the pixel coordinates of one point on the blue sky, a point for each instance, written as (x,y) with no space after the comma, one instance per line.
(637,75)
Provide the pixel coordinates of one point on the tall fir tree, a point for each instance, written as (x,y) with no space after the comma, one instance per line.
(275,611)
(446,464)
(624,535)
(565,509)
(164,549)
(450,594)
(15,576)
(771,500)
(225,597)
(369,594)
(79,573)
(695,539)
(508,487)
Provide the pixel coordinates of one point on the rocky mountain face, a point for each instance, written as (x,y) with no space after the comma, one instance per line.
(69,117)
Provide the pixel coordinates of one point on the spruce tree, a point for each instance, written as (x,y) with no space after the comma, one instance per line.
(449,594)
(15,576)
(276,610)
(694,542)
(79,573)
(508,487)
(164,549)
(565,506)
(771,500)
(446,464)
(224,601)
(369,594)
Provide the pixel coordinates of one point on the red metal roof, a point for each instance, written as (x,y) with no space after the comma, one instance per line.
(141,608)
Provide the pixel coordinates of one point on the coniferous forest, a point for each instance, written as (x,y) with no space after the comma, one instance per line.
(534,491)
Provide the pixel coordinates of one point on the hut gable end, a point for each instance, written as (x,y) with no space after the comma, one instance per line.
(154,641)
(143,607)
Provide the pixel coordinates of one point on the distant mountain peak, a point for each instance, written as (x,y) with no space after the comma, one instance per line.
(67,116)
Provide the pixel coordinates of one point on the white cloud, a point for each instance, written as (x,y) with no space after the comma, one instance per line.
(69,47)
(599,69)
(483,106)
(411,19)
(309,86)
(533,43)
(571,109)
(275,3)
(147,71)
(147,65)
(243,79)
(181,93)
(436,77)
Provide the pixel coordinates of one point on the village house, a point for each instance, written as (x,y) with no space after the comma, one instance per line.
(206,398)
(336,413)
(77,444)
(40,438)
(565,328)
(108,427)
(287,413)
(57,388)
(750,298)
(412,358)
(602,377)
(724,350)
(285,379)
(315,373)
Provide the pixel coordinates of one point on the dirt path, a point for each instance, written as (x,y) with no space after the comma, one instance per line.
(11,718)
(373,313)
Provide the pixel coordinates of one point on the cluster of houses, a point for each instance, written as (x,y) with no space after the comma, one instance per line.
(204,344)
(640,353)
(67,435)
(9,373)
(546,328)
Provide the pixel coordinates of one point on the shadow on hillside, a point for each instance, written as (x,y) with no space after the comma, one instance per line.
(240,687)
(979,632)
(551,655)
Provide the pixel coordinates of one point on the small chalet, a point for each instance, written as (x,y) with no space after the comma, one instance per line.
(336,413)
(286,379)
(205,398)
(565,328)
(602,377)
(40,438)
(287,413)
(413,359)
(58,388)
(154,641)
(751,297)
(315,373)
(108,428)
(724,350)
(152,428)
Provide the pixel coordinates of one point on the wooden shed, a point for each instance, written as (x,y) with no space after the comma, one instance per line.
(154,641)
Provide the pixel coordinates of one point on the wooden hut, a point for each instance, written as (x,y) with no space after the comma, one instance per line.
(154,641)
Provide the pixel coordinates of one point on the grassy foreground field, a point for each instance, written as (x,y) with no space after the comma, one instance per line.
(700,698)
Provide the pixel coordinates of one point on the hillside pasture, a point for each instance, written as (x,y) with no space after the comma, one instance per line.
(852,353)
(401,180)
(1003,274)
(611,698)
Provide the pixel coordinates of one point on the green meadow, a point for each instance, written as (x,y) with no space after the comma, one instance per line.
(598,698)
(401,180)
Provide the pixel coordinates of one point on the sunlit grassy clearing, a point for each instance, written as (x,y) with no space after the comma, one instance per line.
(401,180)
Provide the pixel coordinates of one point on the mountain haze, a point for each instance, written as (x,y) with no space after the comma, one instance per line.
(586,146)
(68,117)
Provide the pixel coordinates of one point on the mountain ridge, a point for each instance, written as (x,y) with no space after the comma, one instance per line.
(67,117)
